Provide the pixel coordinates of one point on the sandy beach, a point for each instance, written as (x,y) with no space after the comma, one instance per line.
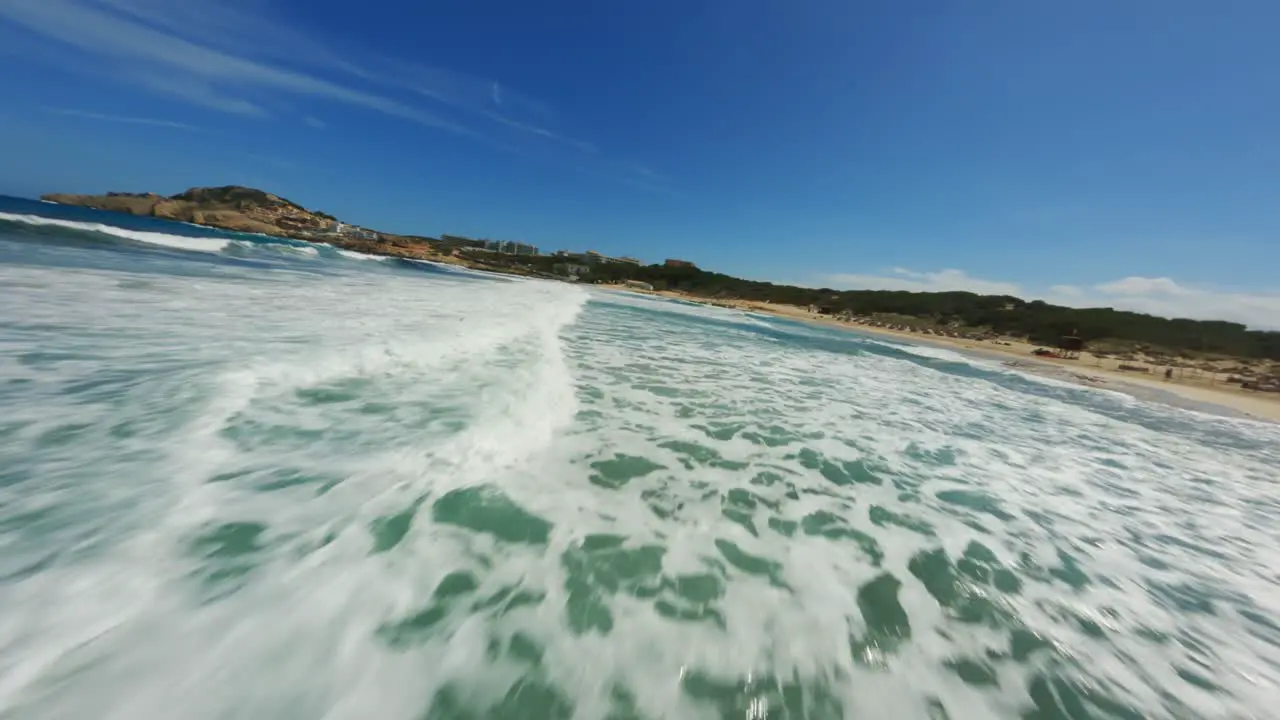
(1196,390)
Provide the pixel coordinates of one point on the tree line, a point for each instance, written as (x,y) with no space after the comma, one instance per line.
(1036,320)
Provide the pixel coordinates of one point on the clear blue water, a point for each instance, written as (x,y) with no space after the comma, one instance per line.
(245,477)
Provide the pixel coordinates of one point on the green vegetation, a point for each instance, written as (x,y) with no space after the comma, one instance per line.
(233,195)
(1104,329)
(1036,320)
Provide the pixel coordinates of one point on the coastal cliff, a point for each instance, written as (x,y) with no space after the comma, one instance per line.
(244,209)
(232,207)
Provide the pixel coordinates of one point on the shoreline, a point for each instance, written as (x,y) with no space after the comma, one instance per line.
(1196,392)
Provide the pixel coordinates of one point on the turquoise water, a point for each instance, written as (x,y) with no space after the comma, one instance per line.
(242,478)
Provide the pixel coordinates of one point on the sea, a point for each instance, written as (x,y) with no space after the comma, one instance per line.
(247,477)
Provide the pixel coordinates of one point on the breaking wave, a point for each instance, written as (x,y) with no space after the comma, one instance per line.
(176,242)
(383,490)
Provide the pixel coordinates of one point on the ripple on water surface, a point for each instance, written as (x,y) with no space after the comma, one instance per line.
(498,500)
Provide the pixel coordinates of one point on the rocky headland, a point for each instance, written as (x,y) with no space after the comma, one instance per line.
(236,208)
(244,209)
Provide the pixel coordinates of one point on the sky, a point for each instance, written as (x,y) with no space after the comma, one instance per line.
(1090,153)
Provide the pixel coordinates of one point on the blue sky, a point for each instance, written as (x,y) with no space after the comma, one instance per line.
(1123,154)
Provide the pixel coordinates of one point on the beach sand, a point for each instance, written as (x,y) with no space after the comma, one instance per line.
(1194,390)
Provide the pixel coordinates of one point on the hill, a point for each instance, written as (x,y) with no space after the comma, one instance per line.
(232,207)
(1036,320)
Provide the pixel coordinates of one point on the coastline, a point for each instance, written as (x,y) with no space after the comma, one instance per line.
(1195,390)
(388,246)
(1198,392)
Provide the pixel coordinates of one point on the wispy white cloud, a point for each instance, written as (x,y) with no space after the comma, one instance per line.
(1164,297)
(480,98)
(104,117)
(212,72)
(1141,286)
(236,57)
(1169,298)
(316,123)
(196,52)
(903,279)
(197,92)
(239,27)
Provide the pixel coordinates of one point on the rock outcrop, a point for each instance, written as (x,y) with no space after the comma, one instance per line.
(231,207)
(243,209)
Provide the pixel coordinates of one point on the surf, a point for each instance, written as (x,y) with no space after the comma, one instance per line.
(315,486)
(111,233)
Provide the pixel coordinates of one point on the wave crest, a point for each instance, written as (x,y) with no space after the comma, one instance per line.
(176,242)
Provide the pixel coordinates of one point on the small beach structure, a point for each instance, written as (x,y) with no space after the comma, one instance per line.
(1069,347)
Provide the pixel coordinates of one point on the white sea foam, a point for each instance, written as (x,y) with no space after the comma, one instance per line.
(353,255)
(934,353)
(307,250)
(460,270)
(416,261)
(177,242)
(1036,375)
(431,348)
(690,309)
(147,414)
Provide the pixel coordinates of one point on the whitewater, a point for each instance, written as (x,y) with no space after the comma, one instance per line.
(242,477)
